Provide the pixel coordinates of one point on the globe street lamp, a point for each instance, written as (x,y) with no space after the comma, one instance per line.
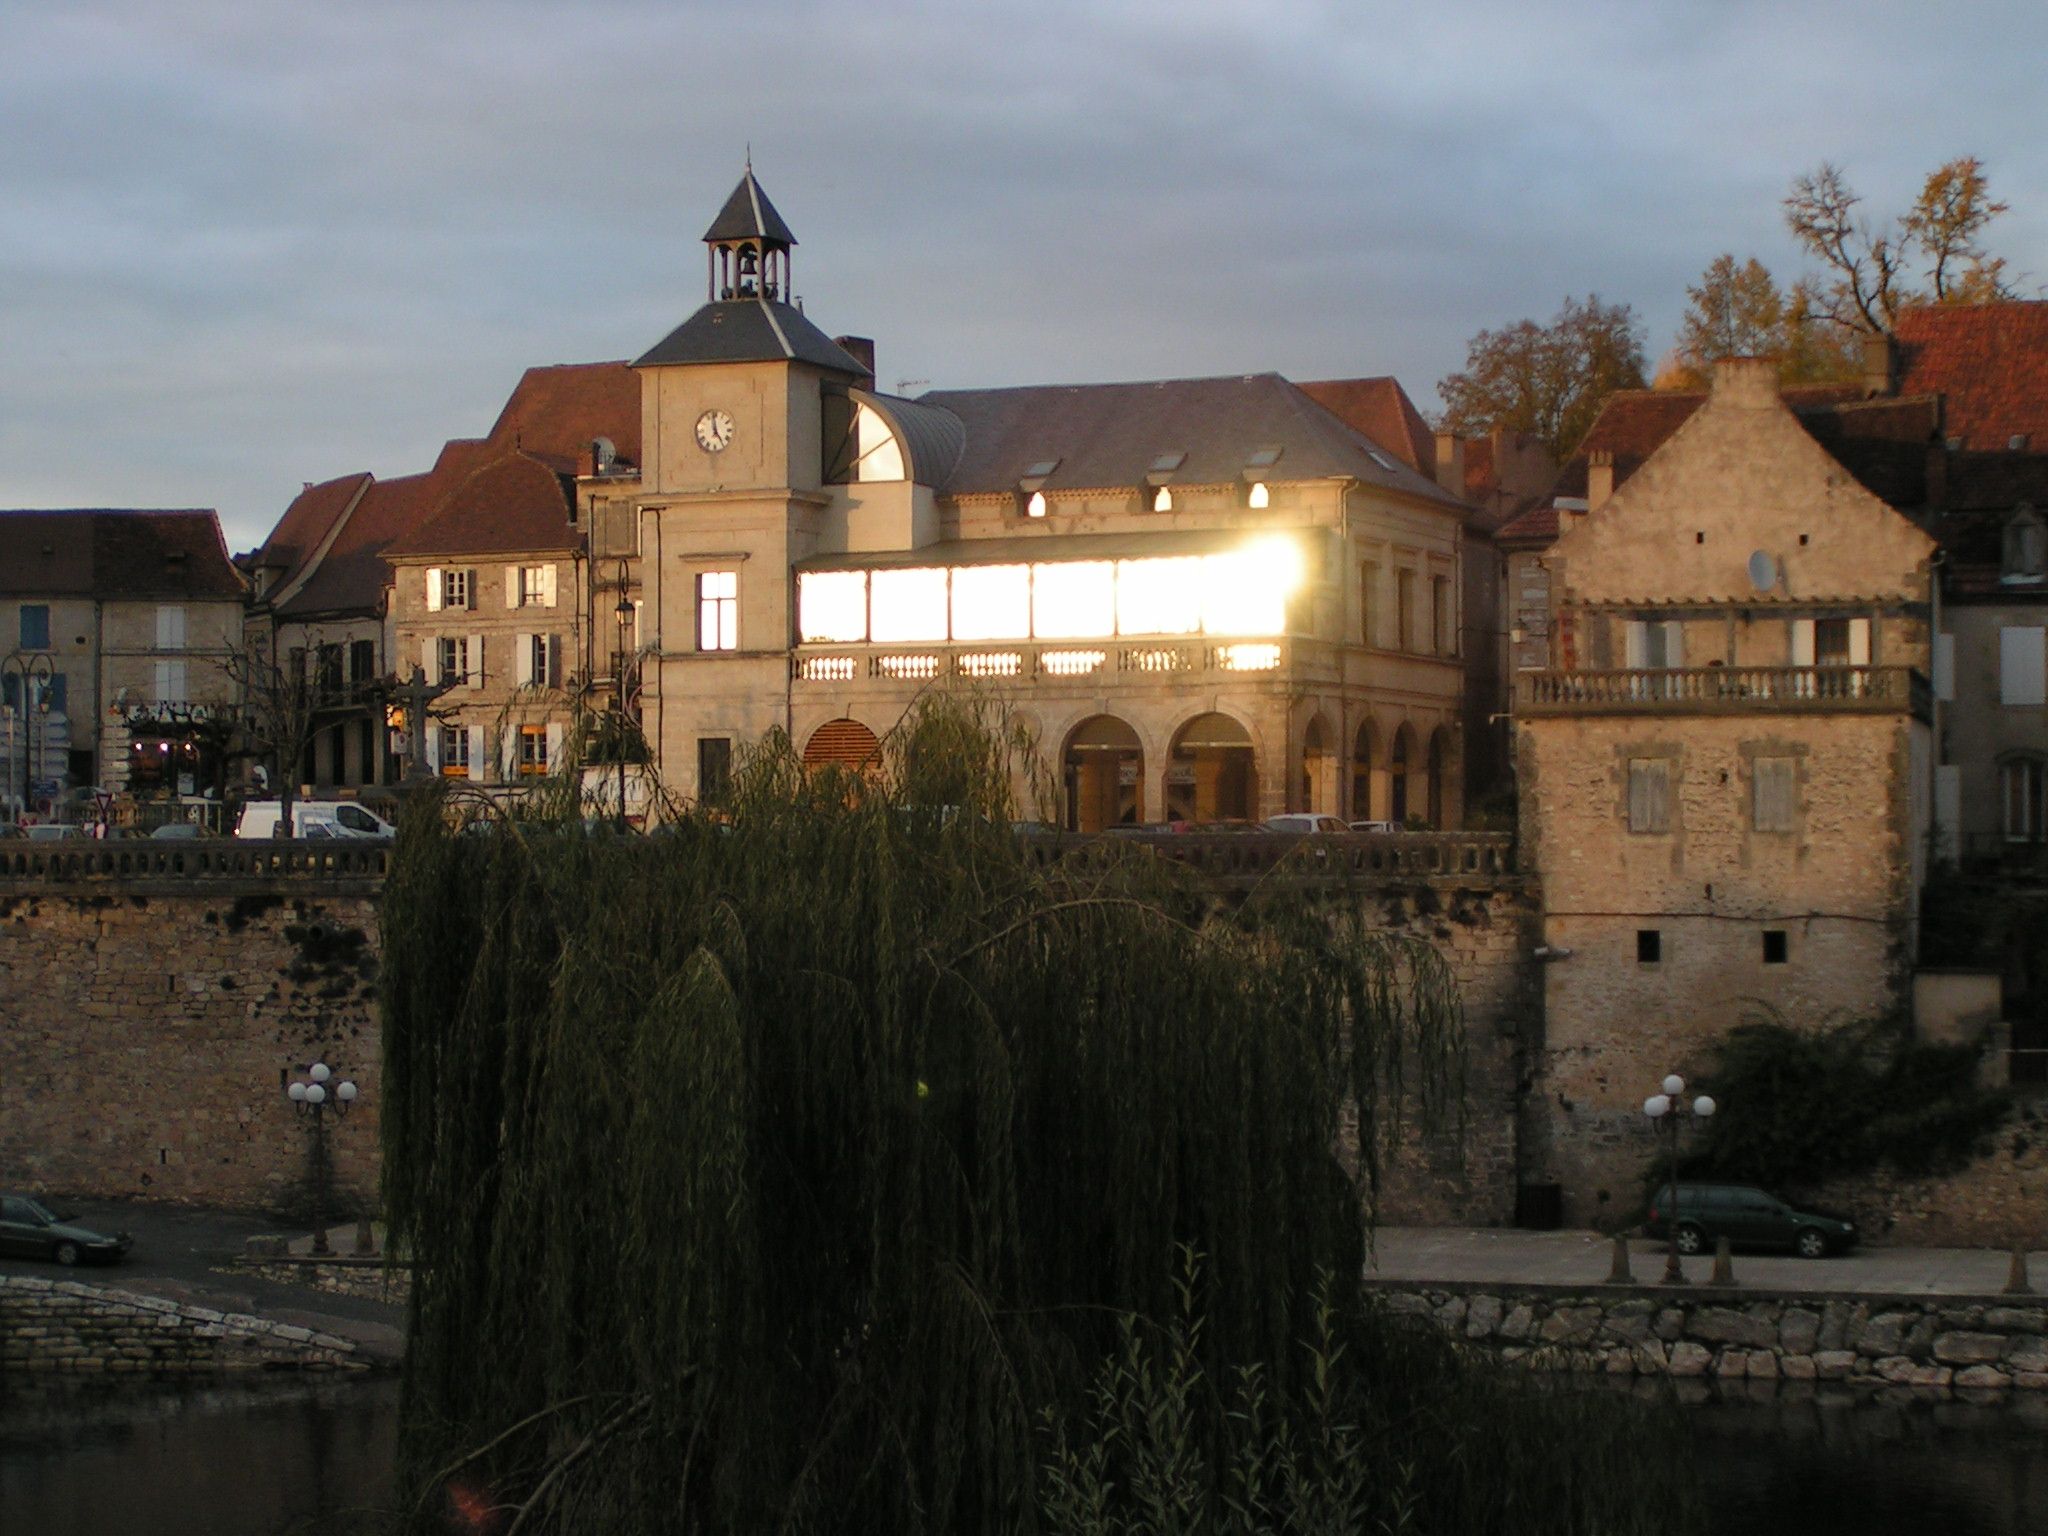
(315,1095)
(1666,1110)
(34,674)
(623,612)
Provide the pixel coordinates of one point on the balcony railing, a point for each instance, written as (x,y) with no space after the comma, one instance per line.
(355,863)
(1713,690)
(1056,661)
(1254,855)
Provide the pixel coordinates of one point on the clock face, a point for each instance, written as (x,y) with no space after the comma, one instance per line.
(714,430)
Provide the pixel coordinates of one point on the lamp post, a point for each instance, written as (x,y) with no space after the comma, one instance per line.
(1665,1111)
(623,611)
(314,1095)
(35,673)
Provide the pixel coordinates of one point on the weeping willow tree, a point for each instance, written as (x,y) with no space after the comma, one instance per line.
(794,1168)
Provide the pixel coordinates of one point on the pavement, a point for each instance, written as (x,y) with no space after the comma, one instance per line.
(180,1253)
(1502,1257)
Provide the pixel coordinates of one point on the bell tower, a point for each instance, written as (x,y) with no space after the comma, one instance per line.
(749,246)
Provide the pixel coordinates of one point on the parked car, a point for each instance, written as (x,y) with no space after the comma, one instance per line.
(178,831)
(1296,821)
(335,818)
(1375,826)
(52,832)
(31,1230)
(1749,1218)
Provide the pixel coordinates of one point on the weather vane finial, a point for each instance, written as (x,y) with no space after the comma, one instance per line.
(750,156)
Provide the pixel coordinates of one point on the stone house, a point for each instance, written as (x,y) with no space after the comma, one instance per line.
(1725,771)
(114,625)
(1214,599)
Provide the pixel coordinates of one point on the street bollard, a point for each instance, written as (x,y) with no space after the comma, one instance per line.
(2016,1278)
(1724,1265)
(1618,1273)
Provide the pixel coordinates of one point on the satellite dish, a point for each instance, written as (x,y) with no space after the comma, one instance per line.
(604,451)
(1763,570)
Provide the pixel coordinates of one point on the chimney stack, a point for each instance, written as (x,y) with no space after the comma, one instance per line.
(1746,381)
(1450,462)
(862,350)
(1599,477)
(1880,366)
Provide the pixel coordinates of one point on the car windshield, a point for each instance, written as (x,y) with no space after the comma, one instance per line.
(40,1212)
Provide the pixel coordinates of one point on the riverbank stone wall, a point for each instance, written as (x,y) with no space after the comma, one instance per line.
(1948,1342)
(69,1326)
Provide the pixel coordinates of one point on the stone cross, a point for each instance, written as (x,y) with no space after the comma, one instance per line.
(417,694)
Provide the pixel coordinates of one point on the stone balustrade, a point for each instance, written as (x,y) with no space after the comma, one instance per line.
(343,866)
(1054,662)
(1356,857)
(1732,690)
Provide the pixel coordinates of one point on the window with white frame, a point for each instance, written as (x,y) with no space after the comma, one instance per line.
(455,589)
(170,626)
(533,749)
(455,751)
(2022,665)
(718,610)
(452,653)
(170,682)
(535,586)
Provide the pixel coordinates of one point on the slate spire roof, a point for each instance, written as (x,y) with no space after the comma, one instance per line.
(748,215)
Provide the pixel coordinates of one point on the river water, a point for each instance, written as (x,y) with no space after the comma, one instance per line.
(241,1458)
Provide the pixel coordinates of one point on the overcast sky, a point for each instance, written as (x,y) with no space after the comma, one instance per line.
(246,245)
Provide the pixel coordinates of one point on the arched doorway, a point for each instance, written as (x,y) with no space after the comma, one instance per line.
(1365,751)
(1318,769)
(1439,760)
(1401,765)
(1211,775)
(1104,772)
(847,743)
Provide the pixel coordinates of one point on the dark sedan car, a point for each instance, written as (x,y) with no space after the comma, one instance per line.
(31,1230)
(1749,1218)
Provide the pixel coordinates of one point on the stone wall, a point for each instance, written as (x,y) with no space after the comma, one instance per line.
(1919,1341)
(64,1325)
(1999,1200)
(151,1026)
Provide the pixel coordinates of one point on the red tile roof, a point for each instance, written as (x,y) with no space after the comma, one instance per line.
(1380,408)
(116,554)
(555,412)
(305,525)
(511,503)
(351,579)
(1990,364)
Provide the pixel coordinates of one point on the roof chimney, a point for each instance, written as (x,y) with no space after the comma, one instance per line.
(861,349)
(1746,380)
(1880,366)
(1599,476)
(1450,462)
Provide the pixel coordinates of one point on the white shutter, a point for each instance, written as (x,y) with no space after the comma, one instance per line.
(431,735)
(476,661)
(636,623)
(479,764)
(1859,642)
(1674,643)
(433,589)
(1802,642)
(430,659)
(547,586)
(1638,652)
(522,646)
(1944,667)
(2022,666)
(511,586)
(163,680)
(170,627)
(554,748)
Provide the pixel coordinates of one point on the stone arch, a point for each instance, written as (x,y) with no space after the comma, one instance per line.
(1365,764)
(1404,776)
(1102,774)
(1318,775)
(1212,770)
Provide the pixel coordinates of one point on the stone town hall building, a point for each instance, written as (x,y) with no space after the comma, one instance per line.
(1212,598)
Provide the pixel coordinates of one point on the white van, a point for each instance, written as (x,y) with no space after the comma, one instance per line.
(312,818)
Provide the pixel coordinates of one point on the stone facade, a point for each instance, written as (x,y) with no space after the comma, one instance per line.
(153,1024)
(71,1327)
(1875,1341)
(1725,771)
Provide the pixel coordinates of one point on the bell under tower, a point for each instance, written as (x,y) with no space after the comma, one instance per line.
(749,246)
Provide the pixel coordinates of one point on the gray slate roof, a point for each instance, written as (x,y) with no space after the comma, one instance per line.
(752,330)
(748,214)
(1106,435)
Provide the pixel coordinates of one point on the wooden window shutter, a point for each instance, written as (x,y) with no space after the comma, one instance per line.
(1859,642)
(1802,642)
(511,586)
(1775,795)
(1637,655)
(547,585)
(433,589)
(476,661)
(430,660)
(1649,794)
(522,651)
(554,677)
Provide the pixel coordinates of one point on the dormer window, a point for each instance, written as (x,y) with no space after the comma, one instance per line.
(1257,497)
(1031,486)
(2026,548)
(1158,477)
(1034,506)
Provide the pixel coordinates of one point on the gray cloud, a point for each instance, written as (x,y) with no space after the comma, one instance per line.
(243,246)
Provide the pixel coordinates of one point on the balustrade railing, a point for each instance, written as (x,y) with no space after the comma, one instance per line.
(1711,689)
(1235,857)
(196,860)
(1053,661)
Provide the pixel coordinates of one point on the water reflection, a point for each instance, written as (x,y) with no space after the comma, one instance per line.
(216,1457)
(257,1458)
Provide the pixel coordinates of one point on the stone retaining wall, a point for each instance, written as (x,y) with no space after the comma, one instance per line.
(1919,1341)
(369,1279)
(66,1325)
